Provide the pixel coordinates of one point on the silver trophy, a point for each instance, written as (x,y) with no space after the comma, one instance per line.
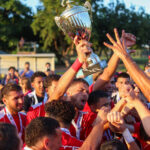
(75,20)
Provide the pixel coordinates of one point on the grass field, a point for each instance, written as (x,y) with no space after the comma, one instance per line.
(141,61)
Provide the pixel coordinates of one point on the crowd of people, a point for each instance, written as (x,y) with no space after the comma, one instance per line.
(46,111)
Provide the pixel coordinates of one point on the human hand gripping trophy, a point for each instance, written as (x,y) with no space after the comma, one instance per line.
(76,21)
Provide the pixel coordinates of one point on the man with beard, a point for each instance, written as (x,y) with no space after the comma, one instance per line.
(12,97)
(83,122)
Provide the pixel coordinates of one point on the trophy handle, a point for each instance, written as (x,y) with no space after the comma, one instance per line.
(68,2)
(57,20)
(89,7)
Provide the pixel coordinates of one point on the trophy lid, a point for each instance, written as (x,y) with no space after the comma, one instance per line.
(73,9)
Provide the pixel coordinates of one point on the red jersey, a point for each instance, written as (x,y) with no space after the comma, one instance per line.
(35,111)
(136,134)
(18,120)
(69,142)
(82,125)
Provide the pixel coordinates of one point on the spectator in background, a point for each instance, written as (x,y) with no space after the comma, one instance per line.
(9,139)
(48,69)
(10,77)
(25,85)
(147,69)
(26,72)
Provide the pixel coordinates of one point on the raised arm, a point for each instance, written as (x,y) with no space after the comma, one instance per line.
(106,76)
(82,48)
(139,77)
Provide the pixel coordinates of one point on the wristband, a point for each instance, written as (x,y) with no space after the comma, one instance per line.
(76,65)
(127,136)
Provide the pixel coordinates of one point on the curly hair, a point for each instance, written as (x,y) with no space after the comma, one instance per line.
(62,111)
(37,74)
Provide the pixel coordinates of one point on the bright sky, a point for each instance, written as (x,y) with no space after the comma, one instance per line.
(137,3)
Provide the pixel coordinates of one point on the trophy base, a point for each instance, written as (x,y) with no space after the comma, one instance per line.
(94,69)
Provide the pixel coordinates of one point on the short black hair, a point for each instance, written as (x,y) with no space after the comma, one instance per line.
(10,87)
(143,134)
(49,79)
(78,80)
(113,145)
(37,74)
(47,63)
(38,128)
(9,139)
(95,95)
(11,67)
(61,110)
(123,75)
(27,63)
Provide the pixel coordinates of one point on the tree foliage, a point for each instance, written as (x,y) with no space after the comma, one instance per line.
(104,20)
(15,20)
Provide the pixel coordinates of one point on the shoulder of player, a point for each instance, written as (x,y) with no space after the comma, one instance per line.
(22,113)
(89,116)
(35,107)
(30,95)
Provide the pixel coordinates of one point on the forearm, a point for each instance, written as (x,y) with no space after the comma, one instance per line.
(93,141)
(65,81)
(144,114)
(119,106)
(108,72)
(139,77)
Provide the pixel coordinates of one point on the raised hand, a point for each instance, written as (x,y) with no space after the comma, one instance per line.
(128,38)
(102,114)
(118,47)
(116,121)
(83,49)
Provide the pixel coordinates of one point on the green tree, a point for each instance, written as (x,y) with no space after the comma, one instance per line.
(15,20)
(52,39)
(117,15)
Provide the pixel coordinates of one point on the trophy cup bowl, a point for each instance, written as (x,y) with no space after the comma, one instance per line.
(75,20)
